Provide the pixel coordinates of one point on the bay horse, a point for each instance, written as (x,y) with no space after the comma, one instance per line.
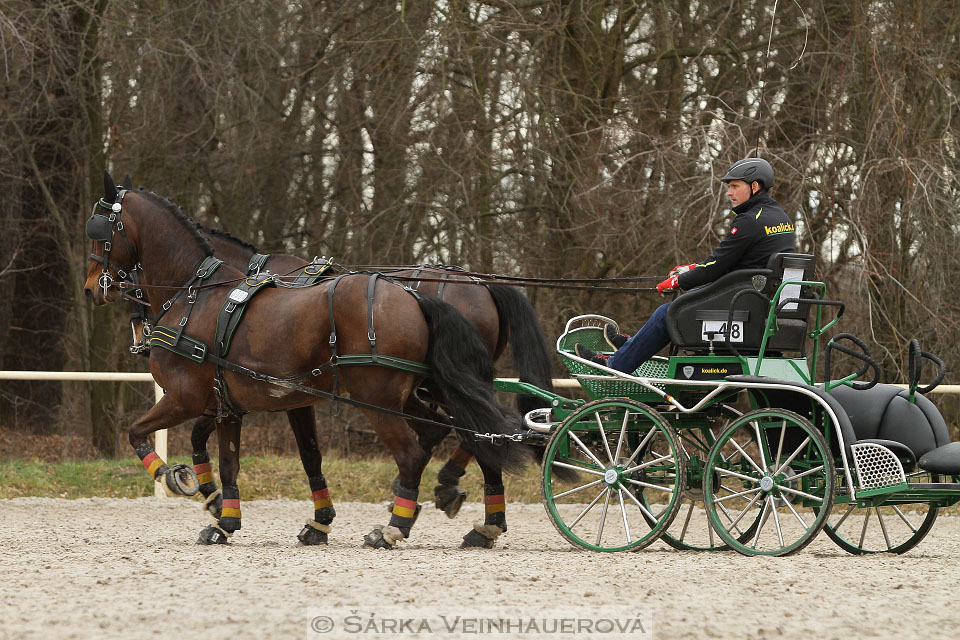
(295,348)
(501,315)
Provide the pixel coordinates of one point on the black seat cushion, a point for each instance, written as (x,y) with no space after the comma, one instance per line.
(886,413)
(945,459)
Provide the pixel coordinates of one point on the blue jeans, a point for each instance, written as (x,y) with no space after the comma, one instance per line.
(644,344)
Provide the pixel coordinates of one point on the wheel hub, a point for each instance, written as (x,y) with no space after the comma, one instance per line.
(611,476)
(767,484)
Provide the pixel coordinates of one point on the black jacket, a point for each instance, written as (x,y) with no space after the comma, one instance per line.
(759,230)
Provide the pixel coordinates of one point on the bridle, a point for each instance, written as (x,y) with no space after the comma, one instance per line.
(101,228)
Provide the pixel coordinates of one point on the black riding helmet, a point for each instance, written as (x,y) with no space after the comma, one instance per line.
(751,170)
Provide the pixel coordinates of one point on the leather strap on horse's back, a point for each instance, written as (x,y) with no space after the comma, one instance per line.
(311,273)
(256,263)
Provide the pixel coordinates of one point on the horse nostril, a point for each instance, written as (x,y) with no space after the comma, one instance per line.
(88,293)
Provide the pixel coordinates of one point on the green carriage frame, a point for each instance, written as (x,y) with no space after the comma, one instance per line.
(703,441)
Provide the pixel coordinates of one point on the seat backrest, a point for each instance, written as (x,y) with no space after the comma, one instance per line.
(694,313)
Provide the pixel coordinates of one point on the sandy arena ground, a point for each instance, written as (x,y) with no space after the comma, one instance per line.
(120,568)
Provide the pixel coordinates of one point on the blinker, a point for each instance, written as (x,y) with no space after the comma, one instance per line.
(99,228)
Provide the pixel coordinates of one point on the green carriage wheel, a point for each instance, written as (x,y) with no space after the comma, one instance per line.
(774,467)
(595,462)
(892,528)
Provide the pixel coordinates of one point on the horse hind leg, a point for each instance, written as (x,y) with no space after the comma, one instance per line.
(228,436)
(484,534)
(304,426)
(411,459)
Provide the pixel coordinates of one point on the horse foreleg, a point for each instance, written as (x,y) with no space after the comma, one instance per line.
(213,499)
(178,479)
(411,460)
(484,534)
(304,427)
(228,436)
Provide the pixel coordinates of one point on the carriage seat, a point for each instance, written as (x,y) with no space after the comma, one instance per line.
(690,315)
(915,431)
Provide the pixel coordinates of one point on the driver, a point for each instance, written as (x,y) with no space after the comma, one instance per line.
(759,229)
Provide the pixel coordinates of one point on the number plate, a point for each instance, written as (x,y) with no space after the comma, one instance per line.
(720,326)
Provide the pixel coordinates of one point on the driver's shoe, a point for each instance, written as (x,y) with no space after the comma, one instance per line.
(592,356)
(614,339)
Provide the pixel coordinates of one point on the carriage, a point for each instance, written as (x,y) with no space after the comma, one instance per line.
(731,443)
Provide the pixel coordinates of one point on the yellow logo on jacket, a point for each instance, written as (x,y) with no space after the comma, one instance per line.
(783,227)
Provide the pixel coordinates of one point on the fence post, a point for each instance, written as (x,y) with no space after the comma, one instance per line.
(159,444)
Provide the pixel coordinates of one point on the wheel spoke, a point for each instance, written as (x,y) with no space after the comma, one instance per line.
(776,519)
(603,437)
(805,473)
(729,518)
(623,434)
(643,509)
(686,522)
(603,517)
(836,527)
(587,451)
(783,433)
(623,514)
(736,444)
(760,444)
(647,485)
(797,515)
(863,533)
(793,455)
(801,494)
(581,487)
(646,464)
(763,521)
(736,495)
(904,518)
(643,443)
(587,508)
(728,472)
(576,468)
(883,528)
(742,513)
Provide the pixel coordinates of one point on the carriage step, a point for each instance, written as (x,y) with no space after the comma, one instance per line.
(945,460)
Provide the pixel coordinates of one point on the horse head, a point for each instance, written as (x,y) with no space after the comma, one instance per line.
(113,255)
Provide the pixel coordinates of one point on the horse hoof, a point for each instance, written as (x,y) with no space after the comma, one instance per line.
(476,540)
(182,480)
(449,498)
(310,537)
(212,535)
(375,540)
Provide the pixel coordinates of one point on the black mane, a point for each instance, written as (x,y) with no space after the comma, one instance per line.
(178,213)
(220,233)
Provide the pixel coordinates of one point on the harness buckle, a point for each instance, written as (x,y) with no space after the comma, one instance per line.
(119,225)
(105,281)
(107,246)
(191,295)
(372,335)
(183,321)
(167,305)
(333,339)
(198,352)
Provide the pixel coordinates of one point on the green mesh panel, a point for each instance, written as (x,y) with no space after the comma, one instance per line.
(592,338)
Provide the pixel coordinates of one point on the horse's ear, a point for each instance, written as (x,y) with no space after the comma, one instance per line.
(109,188)
(127,182)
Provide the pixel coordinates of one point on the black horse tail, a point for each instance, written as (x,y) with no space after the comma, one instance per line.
(463,377)
(531,359)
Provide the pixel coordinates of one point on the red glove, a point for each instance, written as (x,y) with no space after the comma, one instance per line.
(668,286)
(681,268)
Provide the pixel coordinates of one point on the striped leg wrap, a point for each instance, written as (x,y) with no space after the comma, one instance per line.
(204,471)
(154,464)
(323,511)
(404,509)
(455,467)
(230,516)
(495,506)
